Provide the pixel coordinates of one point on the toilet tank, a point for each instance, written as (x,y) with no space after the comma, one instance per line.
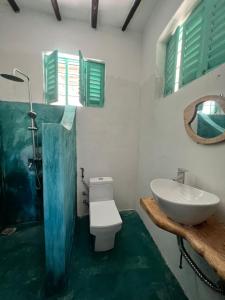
(100,189)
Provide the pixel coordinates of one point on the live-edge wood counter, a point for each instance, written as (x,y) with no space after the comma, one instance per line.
(208,238)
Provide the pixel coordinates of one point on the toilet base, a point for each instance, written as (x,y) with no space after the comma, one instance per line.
(104,242)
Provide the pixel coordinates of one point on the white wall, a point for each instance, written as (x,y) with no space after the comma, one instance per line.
(107,141)
(165,146)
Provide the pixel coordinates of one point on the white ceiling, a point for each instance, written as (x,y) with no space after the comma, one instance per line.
(111,12)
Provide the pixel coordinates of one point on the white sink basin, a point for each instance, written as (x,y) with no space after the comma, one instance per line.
(183,203)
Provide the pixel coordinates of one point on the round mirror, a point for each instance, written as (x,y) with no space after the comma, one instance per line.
(205,120)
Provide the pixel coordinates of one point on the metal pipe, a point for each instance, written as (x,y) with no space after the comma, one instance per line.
(32,114)
(15,70)
(33,128)
(29,93)
(196,269)
(83,180)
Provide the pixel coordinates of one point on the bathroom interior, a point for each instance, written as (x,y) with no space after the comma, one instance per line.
(112,140)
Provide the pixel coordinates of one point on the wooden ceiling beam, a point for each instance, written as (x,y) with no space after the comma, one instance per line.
(94,13)
(56,10)
(131,14)
(14,6)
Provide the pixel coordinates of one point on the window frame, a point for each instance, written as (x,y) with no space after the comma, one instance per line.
(207,32)
(91,79)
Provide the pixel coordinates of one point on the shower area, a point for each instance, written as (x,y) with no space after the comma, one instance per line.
(21,182)
(37,153)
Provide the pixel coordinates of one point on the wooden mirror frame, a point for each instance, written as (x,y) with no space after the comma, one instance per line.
(190,114)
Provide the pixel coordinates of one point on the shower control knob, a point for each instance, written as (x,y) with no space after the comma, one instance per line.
(32,114)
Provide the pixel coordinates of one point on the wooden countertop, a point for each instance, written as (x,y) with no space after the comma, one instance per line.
(208,238)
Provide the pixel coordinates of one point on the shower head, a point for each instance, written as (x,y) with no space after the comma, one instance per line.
(15,78)
(12,77)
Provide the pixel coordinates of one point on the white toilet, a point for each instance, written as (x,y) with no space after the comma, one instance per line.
(105,220)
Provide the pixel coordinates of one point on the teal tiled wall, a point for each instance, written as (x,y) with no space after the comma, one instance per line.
(20,201)
(59,175)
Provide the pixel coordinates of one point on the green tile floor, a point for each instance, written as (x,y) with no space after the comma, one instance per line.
(133,270)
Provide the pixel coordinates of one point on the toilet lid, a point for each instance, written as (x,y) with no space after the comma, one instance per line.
(104,214)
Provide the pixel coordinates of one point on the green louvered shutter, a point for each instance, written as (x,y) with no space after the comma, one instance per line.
(82,79)
(192,64)
(216,43)
(95,75)
(51,77)
(170,64)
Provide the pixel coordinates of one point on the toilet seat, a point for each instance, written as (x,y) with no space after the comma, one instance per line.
(104,215)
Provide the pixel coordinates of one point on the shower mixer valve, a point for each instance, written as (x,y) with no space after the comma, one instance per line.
(32,114)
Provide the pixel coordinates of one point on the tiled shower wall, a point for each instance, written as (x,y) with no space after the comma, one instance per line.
(20,201)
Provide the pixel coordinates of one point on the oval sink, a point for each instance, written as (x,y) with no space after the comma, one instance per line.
(183,203)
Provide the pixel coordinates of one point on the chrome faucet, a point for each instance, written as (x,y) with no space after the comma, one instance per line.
(180,175)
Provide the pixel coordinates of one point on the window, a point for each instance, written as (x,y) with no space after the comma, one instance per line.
(209,107)
(68,80)
(178,60)
(171,61)
(197,46)
(73,80)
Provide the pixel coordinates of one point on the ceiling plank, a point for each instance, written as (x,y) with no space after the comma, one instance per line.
(14,6)
(94,13)
(131,14)
(56,10)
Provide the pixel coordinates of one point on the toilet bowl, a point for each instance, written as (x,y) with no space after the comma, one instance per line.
(105,220)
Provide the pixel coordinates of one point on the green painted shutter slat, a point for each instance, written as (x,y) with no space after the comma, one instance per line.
(216,49)
(51,77)
(217,38)
(170,64)
(193,42)
(219,17)
(95,83)
(82,79)
(217,59)
(218,8)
